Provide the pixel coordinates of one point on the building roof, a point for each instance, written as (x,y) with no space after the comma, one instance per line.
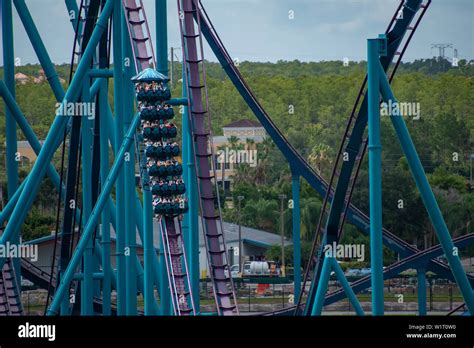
(243,124)
(20,76)
(249,235)
(231,232)
(221,139)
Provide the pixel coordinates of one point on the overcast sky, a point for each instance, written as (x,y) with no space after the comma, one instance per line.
(260,30)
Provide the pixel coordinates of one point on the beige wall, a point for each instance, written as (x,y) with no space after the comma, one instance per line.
(244,131)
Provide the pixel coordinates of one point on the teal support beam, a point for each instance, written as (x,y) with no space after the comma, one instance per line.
(191,218)
(428,197)
(177,101)
(105,219)
(322,287)
(87,285)
(421,276)
(164,290)
(73,12)
(375,177)
(295,188)
(129,178)
(35,145)
(8,209)
(330,263)
(119,188)
(96,73)
(55,84)
(94,217)
(149,248)
(346,286)
(138,212)
(161,37)
(9,78)
(56,131)
(111,128)
(95,276)
(162,67)
(10,124)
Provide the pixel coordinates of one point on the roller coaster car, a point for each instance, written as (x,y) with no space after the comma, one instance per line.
(170,207)
(156,113)
(153,94)
(163,131)
(170,188)
(162,152)
(163,169)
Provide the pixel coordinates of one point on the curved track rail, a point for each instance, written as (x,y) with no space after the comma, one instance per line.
(195,78)
(459,308)
(10,299)
(395,269)
(391,271)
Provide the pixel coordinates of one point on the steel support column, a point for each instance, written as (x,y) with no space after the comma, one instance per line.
(129,179)
(421,275)
(105,219)
(295,189)
(322,287)
(119,187)
(375,177)
(12,157)
(149,249)
(162,67)
(87,284)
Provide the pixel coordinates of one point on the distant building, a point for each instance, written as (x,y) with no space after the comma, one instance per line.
(248,133)
(26,151)
(21,78)
(244,128)
(27,154)
(255,244)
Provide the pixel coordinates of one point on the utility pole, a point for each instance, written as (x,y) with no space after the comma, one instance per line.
(441,49)
(240,199)
(173,56)
(282,227)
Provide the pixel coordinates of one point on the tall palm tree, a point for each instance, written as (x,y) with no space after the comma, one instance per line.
(250,144)
(234,143)
(263,214)
(319,157)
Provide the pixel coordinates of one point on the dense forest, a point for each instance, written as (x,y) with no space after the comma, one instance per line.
(320,96)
